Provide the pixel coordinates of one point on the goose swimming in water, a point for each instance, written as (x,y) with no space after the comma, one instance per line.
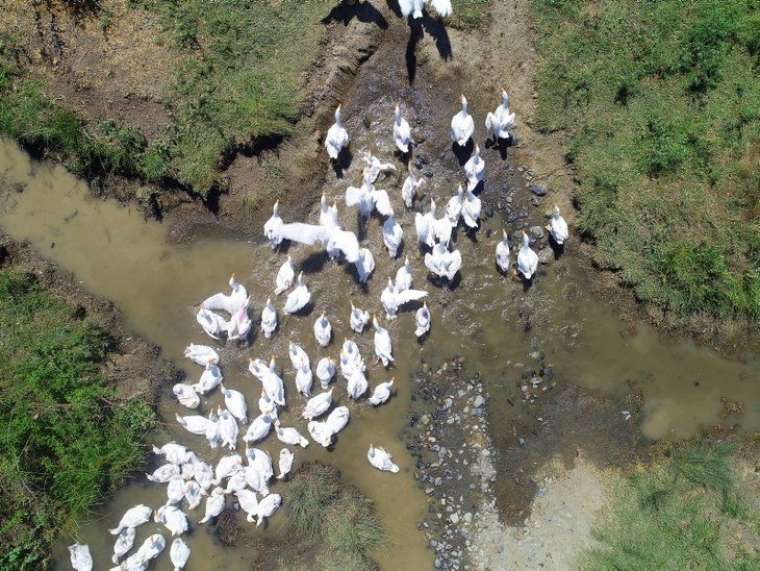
(228,429)
(462,125)
(273,226)
(351,360)
(227,466)
(471,209)
(175,491)
(231,303)
(365,265)
(214,505)
(201,354)
(214,325)
(194,424)
(443,263)
(475,169)
(392,299)
(261,461)
(557,227)
(210,379)
(285,276)
(133,517)
(235,403)
(338,419)
(179,553)
(285,463)
(193,494)
(320,433)
(381,460)
(80,557)
(381,394)
(298,298)
(213,434)
(359,318)
(403,279)
(259,429)
(267,406)
(163,474)
(325,371)
(322,330)
(125,540)
(337,137)
(502,253)
(392,235)
(267,507)
(422,320)
(501,121)
(374,167)
(149,550)
(248,503)
(173,519)
(270,381)
(186,396)
(239,324)
(289,436)
(402,132)
(357,384)
(318,405)
(268,319)
(527,259)
(410,187)
(304,380)
(237,481)
(382,344)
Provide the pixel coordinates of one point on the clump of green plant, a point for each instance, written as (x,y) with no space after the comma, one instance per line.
(660,102)
(66,439)
(671,516)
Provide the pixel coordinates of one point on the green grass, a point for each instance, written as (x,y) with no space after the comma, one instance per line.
(660,102)
(339,520)
(66,441)
(674,515)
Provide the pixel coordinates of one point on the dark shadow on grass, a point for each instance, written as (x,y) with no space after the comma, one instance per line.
(341,164)
(362,11)
(395,8)
(415,36)
(436,28)
(315,262)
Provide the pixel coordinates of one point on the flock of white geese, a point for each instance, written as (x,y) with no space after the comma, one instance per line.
(226,316)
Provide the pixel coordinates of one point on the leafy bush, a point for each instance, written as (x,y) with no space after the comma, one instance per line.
(65,440)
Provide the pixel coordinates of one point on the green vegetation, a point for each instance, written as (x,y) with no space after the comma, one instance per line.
(337,519)
(470,14)
(676,515)
(660,102)
(66,441)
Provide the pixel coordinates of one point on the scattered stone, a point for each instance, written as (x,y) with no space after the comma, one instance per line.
(536,233)
(538,189)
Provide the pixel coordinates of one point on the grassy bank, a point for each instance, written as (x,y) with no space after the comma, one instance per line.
(660,104)
(66,441)
(684,512)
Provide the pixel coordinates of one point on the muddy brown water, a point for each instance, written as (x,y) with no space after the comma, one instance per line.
(117,254)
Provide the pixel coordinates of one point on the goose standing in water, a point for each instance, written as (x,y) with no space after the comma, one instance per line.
(163,474)
(248,503)
(193,494)
(285,463)
(133,517)
(267,507)
(471,209)
(382,344)
(502,253)
(365,265)
(186,396)
(175,491)
(392,299)
(422,321)
(462,125)
(213,433)
(351,359)
(557,227)
(298,298)
(267,406)
(214,505)
(270,381)
(235,403)
(381,460)
(443,263)
(475,169)
(179,553)
(501,121)
(304,380)
(289,436)
(268,319)
(211,323)
(174,453)
(403,279)
(273,227)
(320,433)
(392,235)
(194,424)
(410,187)
(322,330)
(173,519)
(80,556)
(240,324)
(402,132)
(357,384)
(318,405)
(231,303)
(381,394)
(210,379)
(325,371)
(359,318)
(149,550)
(328,215)
(527,259)
(285,276)
(228,429)
(124,542)
(337,137)
(338,419)
(201,354)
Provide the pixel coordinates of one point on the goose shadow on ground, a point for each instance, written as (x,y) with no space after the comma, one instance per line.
(433,27)
(558,249)
(315,262)
(462,153)
(441,283)
(341,164)
(500,145)
(362,11)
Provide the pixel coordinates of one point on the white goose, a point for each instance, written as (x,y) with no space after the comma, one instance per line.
(410,187)
(273,226)
(443,263)
(404,276)
(179,553)
(133,517)
(320,433)
(557,227)
(422,321)
(454,207)
(268,319)
(475,169)
(214,505)
(298,298)
(338,419)
(351,360)
(248,503)
(381,394)
(210,379)
(267,507)
(228,429)
(359,318)
(149,550)
(322,330)
(163,474)
(298,357)
(173,519)
(501,121)
(318,405)
(325,371)
(357,384)
(462,125)
(367,198)
(471,209)
(235,403)
(231,303)
(213,434)
(381,460)
(80,556)
(259,429)
(194,424)
(240,324)
(374,167)
(201,354)
(175,491)
(337,137)
(424,224)
(267,406)
(173,453)
(285,463)
(502,253)
(527,259)
(304,380)
(328,215)
(392,299)
(270,381)
(227,466)
(289,436)
(186,396)
(193,494)
(392,235)
(365,265)
(383,349)
(402,132)
(124,542)
(212,324)
(285,276)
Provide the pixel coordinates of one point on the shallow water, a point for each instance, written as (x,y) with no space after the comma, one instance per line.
(118,255)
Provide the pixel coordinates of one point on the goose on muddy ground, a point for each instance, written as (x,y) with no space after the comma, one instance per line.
(392,299)
(268,319)
(383,349)
(462,125)
(298,298)
(322,330)
(422,321)
(501,121)
(381,393)
(325,371)
(502,253)
(337,137)
(527,259)
(285,463)
(409,189)
(285,276)
(402,132)
(557,227)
